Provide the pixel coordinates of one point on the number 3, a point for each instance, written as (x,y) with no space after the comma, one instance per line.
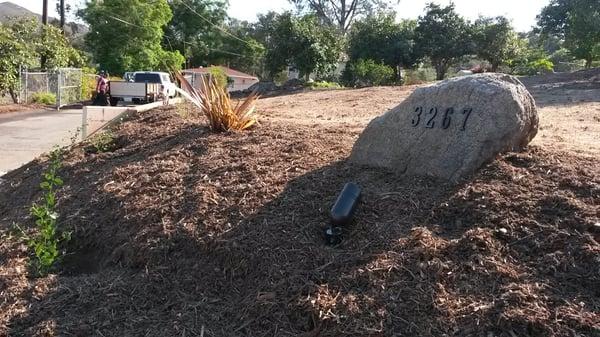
(418,117)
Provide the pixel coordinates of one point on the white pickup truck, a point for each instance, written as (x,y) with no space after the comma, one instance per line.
(147,86)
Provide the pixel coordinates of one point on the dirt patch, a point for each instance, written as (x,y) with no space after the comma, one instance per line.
(7,108)
(184,232)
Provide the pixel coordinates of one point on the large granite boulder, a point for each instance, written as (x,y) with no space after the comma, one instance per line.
(448,130)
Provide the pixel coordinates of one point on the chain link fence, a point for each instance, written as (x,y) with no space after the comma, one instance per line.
(63,84)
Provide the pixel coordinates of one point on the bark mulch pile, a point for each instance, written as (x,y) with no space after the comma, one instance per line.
(181,232)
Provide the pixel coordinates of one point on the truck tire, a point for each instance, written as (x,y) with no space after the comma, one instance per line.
(114,101)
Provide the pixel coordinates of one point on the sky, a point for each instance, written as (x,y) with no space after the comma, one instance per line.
(521,12)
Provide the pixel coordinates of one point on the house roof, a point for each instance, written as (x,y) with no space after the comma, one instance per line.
(230,72)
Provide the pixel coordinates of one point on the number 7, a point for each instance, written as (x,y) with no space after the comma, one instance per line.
(468,113)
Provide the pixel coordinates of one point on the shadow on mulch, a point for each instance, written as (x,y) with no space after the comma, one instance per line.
(186,232)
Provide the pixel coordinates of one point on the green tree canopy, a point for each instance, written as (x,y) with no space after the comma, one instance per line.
(23,42)
(192,30)
(126,35)
(381,39)
(577,22)
(341,13)
(443,36)
(242,51)
(495,40)
(304,43)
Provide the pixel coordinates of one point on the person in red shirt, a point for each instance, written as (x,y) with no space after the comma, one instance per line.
(102,89)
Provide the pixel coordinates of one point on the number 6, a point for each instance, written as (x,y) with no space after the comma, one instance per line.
(447,118)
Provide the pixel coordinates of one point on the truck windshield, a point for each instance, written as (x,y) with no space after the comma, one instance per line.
(147,77)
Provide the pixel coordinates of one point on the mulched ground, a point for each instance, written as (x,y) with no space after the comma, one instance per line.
(182,232)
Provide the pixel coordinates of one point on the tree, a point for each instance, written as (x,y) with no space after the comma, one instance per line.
(126,35)
(57,50)
(15,51)
(303,43)
(22,43)
(495,40)
(193,30)
(443,36)
(341,13)
(367,73)
(577,22)
(381,39)
(529,59)
(242,51)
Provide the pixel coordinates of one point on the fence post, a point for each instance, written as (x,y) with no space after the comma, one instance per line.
(20,84)
(26,87)
(58,89)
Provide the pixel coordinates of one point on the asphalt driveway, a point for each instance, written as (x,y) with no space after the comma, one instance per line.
(26,135)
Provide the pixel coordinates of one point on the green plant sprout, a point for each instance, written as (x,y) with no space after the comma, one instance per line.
(45,243)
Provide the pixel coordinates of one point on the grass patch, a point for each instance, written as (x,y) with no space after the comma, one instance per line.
(46,98)
(324,85)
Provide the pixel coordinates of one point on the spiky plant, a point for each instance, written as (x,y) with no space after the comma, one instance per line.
(215,103)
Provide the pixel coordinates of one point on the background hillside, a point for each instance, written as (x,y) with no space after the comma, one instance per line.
(9,10)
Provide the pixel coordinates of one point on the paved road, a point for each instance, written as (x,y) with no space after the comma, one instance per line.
(26,135)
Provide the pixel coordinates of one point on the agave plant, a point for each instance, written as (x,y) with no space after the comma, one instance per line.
(215,103)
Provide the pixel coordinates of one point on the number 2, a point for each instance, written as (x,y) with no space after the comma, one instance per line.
(430,122)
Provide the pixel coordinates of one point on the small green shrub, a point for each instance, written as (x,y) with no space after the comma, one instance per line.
(280,77)
(88,83)
(220,76)
(46,98)
(324,85)
(367,73)
(45,244)
(102,142)
(534,67)
(418,76)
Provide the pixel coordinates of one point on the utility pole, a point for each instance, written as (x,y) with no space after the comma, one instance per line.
(62,15)
(44,22)
(45,13)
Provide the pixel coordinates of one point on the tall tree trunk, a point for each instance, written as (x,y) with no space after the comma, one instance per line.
(398,74)
(13,95)
(495,67)
(440,71)
(588,63)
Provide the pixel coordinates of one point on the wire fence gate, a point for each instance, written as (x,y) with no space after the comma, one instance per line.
(64,83)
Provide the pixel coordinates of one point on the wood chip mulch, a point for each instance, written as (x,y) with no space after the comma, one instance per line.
(183,232)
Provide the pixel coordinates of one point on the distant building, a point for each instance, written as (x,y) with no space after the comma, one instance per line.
(237,80)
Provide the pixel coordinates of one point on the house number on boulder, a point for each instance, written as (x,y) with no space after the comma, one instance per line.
(448,130)
(433,112)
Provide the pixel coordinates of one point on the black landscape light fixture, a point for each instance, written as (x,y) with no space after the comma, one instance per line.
(342,212)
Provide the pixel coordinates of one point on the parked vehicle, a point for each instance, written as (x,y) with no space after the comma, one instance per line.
(147,86)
